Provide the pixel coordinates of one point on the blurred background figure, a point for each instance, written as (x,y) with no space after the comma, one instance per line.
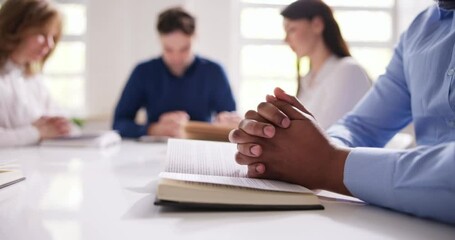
(29,31)
(175,87)
(335,81)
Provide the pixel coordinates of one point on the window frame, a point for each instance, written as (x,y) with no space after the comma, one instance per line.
(79,111)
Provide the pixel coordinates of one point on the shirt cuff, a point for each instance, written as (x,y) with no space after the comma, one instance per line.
(143,131)
(28,136)
(368,174)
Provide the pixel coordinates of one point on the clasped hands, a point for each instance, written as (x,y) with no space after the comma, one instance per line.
(172,124)
(282,141)
(52,127)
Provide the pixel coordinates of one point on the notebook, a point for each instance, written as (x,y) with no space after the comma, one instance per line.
(10,173)
(204,175)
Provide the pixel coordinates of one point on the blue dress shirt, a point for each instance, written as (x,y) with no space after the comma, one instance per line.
(202,91)
(418,86)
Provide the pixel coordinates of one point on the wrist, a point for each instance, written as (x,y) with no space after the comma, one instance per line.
(36,131)
(152,129)
(335,173)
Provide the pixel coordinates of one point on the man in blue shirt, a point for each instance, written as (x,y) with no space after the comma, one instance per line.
(282,140)
(176,87)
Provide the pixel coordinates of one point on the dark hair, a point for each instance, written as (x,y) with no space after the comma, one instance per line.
(18,16)
(176,19)
(308,9)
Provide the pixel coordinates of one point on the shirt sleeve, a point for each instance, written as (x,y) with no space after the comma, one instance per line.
(222,97)
(418,181)
(16,137)
(390,97)
(131,100)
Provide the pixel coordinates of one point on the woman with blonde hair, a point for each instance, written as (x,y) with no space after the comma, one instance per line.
(29,31)
(335,82)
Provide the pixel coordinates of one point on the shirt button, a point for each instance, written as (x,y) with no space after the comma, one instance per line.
(451,123)
(451,72)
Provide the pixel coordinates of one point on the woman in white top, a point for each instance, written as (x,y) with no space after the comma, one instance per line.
(335,82)
(29,31)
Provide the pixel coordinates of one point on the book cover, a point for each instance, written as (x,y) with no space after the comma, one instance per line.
(207,131)
(204,175)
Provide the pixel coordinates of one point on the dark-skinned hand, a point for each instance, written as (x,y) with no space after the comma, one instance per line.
(282,141)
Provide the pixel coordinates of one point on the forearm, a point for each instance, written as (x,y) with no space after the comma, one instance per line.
(132,99)
(418,181)
(384,111)
(129,129)
(28,135)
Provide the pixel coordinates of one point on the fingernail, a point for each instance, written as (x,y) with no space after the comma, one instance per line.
(269,131)
(260,168)
(256,150)
(285,122)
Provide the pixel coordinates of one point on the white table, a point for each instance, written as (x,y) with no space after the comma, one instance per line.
(108,194)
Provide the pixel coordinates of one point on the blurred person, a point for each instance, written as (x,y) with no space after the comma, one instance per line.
(29,32)
(176,87)
(335,81)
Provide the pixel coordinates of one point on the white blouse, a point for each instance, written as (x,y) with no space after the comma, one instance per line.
(23,100)
(335,90)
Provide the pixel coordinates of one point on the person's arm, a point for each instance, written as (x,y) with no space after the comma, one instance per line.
(382,112)
(27,135)
(41,129)
(170,124)
(222,98)
(419,181)
(131,100)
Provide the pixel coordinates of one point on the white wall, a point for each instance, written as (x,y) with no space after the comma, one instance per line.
(217,33)
(408,10)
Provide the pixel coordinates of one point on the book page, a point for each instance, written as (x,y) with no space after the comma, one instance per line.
(7,165)
(204,158)
(254,183)
(214,162)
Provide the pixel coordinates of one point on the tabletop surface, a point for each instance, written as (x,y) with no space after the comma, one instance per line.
(80,193)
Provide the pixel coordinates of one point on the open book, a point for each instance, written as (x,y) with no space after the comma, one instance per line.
(93,139)
(10,173)
(204,174)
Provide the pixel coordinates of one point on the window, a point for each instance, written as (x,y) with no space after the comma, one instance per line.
(65,69)
(266,61)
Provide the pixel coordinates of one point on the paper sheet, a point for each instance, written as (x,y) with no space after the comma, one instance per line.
(214,162)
